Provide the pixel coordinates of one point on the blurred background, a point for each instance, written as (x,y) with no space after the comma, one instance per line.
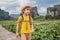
(11,9)
(45,13)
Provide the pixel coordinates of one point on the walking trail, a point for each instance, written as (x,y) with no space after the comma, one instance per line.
(6,35)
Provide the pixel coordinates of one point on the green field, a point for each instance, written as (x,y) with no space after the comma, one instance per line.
(44,30)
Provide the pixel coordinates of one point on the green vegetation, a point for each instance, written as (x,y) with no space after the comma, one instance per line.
(43,31)
(50,31)
(41,18)
(47,17)
(9,25)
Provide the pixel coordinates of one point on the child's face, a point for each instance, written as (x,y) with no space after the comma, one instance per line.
(27,11)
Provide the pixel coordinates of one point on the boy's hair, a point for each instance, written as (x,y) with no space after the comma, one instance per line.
(25,8)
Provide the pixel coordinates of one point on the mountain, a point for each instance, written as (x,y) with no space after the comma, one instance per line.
(15,16)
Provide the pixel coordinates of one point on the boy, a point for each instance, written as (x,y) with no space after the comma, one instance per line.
(26,25)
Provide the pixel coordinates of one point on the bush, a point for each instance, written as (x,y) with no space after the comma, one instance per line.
(49,17)
(49,31)
(40,18)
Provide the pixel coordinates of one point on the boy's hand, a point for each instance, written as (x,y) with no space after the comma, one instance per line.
(16,35)
(32,30)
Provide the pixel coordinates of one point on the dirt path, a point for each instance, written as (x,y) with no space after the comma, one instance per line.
(6,35)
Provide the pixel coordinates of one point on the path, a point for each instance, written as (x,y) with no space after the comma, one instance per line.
(6,35)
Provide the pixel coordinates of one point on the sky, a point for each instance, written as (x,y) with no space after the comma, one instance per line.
(15,6)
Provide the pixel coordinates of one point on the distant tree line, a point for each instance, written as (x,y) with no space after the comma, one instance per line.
(52,17)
